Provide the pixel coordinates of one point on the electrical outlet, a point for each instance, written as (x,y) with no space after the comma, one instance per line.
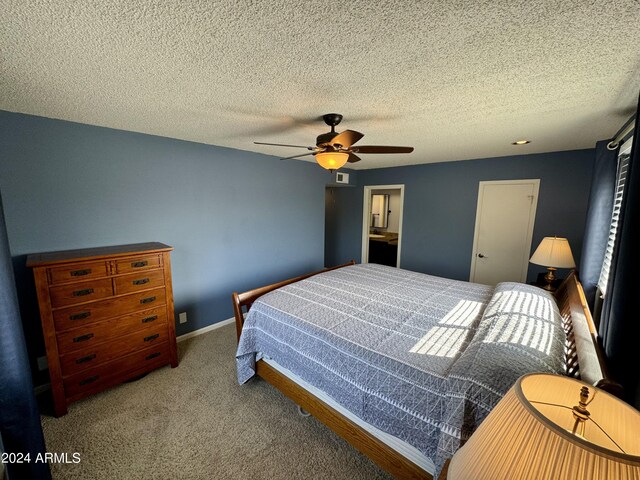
(183,317)
(42,363)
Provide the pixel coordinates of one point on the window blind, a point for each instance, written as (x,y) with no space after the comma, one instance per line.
(623,167)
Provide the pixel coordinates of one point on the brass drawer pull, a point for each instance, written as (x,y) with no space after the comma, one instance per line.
(79,316)
(80,273)
(139,264)
(142,281)
(82,293)
(86,359)
(151,337)
(83,338)
(86,381)
(148,300)
(153,355)
(150,319)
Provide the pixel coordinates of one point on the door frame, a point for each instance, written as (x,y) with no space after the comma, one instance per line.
(532,220)
(366,205)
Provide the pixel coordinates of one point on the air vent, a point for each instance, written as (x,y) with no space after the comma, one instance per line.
(342,177)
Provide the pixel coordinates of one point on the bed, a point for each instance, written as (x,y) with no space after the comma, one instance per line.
(405,365)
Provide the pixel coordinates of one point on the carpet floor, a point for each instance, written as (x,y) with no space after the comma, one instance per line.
(196,422)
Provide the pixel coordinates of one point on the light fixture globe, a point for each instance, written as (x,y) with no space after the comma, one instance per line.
(332,160)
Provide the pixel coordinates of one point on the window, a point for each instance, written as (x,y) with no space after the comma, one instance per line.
(623,167)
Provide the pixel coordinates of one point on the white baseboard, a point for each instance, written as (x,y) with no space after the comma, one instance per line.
(209,328)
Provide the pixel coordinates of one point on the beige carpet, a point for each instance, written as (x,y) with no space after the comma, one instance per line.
(196,422)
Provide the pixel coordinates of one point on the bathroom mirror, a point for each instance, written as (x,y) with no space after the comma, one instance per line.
(379,211)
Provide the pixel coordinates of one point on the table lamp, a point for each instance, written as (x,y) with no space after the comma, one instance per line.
(553,253)
(553,427)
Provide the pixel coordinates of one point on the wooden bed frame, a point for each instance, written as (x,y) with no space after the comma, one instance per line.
(582,346)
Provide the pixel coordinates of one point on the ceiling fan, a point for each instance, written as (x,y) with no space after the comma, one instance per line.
(334,149)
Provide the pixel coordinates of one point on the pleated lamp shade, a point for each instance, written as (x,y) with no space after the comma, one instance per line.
(528,435)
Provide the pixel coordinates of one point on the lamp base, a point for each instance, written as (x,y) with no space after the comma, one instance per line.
(550,277)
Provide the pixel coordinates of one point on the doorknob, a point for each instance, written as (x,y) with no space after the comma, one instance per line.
(482,256)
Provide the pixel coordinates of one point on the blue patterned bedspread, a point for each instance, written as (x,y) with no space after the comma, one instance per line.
(420,357)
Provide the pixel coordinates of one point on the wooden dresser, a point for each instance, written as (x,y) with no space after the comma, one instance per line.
(107,316)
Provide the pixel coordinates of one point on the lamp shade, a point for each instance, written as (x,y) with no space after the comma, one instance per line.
(528,435)
(553,252)
(332,160)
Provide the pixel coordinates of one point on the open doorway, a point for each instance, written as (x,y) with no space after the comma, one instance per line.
(382,224)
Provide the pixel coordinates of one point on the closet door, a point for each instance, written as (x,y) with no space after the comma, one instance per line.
(504,227)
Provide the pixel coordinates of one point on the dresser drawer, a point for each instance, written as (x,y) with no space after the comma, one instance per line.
(136,264)
(80,315)
(139,281)
(89,335)
(80,292)
(116,371)
(76,271)
(79,360)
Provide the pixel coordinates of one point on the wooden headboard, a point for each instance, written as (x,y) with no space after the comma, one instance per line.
(585,357)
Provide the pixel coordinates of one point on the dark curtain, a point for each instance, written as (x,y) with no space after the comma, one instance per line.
(620,320)
(19,418)
(596,233)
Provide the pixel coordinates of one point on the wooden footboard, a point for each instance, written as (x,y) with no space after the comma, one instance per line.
(246,299)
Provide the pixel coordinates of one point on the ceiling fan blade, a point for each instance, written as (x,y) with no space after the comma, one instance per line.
(382,149)
(353,158)
(283,145)
(346,138)
(298,156)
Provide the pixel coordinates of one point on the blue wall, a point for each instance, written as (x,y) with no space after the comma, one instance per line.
(236,219)
(440,207)
(343,230)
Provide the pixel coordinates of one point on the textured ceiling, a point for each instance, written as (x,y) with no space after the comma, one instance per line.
(454,79)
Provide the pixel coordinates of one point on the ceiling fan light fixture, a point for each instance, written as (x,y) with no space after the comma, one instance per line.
(332,160)
(334,149)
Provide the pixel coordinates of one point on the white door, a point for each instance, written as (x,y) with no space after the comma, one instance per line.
(504,227)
